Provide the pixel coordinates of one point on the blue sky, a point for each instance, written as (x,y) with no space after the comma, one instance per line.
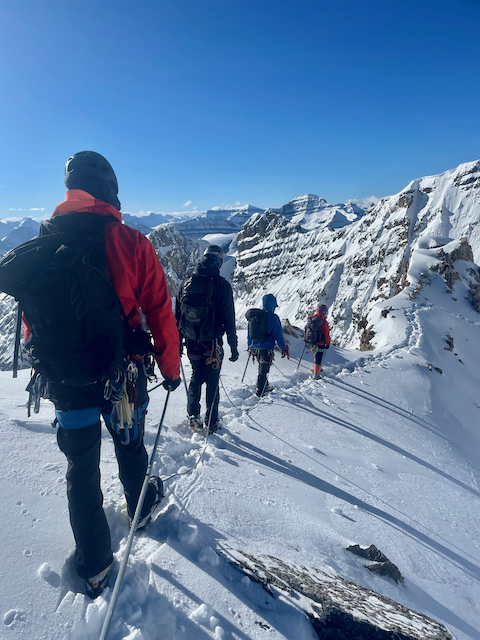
(223,101)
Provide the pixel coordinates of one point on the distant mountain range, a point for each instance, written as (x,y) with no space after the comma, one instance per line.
(307,210)
(357,262)
(14,231)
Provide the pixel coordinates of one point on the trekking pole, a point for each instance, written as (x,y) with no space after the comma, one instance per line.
(304,346)
(17,341)
(183,376)
(133,528)
(248,360)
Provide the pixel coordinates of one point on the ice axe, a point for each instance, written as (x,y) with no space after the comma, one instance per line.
(304,346)
(248,360)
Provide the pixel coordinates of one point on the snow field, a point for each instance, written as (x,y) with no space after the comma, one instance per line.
(363,456)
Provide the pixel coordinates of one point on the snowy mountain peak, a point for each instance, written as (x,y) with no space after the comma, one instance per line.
(367,263)
(306,204)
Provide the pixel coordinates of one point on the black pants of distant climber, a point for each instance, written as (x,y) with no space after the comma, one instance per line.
(265,359)
(205,370)
(85,499)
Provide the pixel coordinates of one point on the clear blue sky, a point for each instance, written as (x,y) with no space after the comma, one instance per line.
(224,101)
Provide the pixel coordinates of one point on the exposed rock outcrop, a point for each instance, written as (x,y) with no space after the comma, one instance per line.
(380,564)
(338,609)
(177,253)
(368,262)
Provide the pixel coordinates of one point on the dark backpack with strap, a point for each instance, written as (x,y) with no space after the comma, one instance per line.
(75,317)
(257,324)
(313,330)
(197,308)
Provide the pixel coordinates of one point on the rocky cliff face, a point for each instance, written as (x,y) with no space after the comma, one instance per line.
(216,221)
(310,212)
(368,262)
(177,253)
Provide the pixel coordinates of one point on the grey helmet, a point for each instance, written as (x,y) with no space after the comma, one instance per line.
(215,250)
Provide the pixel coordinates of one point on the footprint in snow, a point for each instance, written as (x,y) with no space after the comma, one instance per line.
(45,572)
(13,616)
(204,614)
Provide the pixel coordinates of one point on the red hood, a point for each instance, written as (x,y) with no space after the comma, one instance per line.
(78,200)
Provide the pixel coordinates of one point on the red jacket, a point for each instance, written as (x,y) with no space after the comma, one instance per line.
(138,278)
(325,330)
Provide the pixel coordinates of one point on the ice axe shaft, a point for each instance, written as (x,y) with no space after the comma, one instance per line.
(248,360)
(304,346)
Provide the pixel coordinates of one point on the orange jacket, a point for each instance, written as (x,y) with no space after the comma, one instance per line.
(138,278)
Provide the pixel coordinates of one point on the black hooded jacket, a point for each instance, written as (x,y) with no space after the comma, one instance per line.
(223,299)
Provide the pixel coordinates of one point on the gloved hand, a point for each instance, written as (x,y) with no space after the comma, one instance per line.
(171,385)
(327,346)
(234,356)
(284,353)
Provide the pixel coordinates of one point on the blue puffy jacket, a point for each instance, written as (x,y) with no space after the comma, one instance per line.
(274,326)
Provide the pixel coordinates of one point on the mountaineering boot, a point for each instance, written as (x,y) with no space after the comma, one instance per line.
(145,518)
(95,585)
(316,376)
(195,424)
(266,390)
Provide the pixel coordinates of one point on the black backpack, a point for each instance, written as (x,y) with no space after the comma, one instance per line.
(75,317)
(197,308)
(313,330)
(257,324)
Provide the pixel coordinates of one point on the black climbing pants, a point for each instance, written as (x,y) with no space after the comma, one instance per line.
(265,359)
(208,374)
(85,499)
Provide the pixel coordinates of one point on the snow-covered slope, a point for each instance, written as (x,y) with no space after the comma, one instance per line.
(364,265)
(384,450)
(312,212)
(378,452)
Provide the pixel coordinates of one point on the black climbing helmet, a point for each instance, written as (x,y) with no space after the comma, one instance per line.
(91,172)
(214,250)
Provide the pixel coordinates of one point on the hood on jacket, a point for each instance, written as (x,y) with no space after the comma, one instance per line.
(77,200)
(269,302)
(209,266)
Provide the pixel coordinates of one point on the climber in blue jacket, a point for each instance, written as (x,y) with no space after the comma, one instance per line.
(263,349)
